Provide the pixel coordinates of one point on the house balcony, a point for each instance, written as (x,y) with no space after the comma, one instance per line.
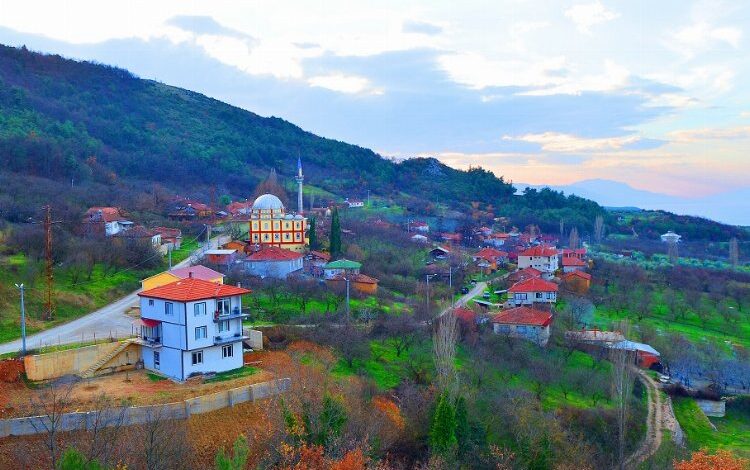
(222,340)
(236,313)
(150,341)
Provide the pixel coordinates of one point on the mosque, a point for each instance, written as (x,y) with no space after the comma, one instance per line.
(270,225)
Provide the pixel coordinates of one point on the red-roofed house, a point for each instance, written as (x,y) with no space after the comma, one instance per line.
(190,327)
(452,237)
(523,274)
(532,291)
(170,236)
(579,253)
(315,262)
(239,208)
(571,263)
(540,257)
(359,282)
(489,258)
(577,281)
(419,227)
(105,221)
(275,262)
(523,322)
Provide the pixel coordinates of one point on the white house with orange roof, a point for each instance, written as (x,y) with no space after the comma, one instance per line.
(533,291)
(191,326)
(523,322)
(542,258)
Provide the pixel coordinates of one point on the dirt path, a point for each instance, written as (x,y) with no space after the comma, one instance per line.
(659,411)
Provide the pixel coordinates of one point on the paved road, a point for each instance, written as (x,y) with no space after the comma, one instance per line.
(475,291)
(108,320)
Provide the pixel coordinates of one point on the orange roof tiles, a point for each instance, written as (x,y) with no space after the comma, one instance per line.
(573,261)
(534,285)
(190,289)
(539,251)
(274,253)
(523,316)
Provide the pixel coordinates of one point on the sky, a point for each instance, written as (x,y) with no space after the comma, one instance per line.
(652,94)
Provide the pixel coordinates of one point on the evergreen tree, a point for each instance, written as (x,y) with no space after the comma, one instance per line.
(72,459)
(443,429)
(312,234)
(335,233)
(462,424)
(238,459)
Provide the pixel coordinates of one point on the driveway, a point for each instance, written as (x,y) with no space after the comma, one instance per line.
(108,320)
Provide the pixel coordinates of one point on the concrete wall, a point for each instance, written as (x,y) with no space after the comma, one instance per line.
(716,409)
(74,361)
(255,338)
(142,414)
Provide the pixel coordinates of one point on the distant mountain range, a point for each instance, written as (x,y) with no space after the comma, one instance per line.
(731,207)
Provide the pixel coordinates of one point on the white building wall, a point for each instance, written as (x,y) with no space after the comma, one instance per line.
(170,361)
(546,264)
(528,298)
(212,360)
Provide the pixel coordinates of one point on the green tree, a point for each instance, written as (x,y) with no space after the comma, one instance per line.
(225,200)
(72,459)
(335,233)
(313,234)
(238,459)
(462,424)
(443,430)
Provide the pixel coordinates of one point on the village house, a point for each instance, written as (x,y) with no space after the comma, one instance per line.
(239,245)
(497,239)
(440,252)
(341,266)
(542,258)
(222,258)
(105,221)
(525,323)
(419,238)
(578,253)
(172,237)
(532,291)
(643,355)
(351,203)
(577,281)
(191,327)
(185,209)
(571,263)
(315,262)
(273,262)
(239,208)
(452,238)
(196,272)
(488,259)
(418,226)
(140,235)
(359,282)
(523,274)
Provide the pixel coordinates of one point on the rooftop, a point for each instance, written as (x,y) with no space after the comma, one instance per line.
(274,253)
(268,202)
(523,316)
(198,272)
(539,251)
(573,261)
(190,289)
(343,264)
(534,285)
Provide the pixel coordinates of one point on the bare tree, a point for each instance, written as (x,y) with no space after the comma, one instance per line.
(50,406)
(622,385)
(164,440)
(104,426)
(734,252)
(599,229)
(574,241)
(444,339)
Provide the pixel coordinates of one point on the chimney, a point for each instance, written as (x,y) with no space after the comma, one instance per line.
(239,284)
(190,274)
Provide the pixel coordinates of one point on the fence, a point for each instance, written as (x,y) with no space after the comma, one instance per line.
(75,421)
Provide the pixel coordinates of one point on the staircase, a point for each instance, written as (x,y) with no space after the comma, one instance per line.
(91,370)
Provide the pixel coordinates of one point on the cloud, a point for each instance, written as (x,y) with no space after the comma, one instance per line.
(586,15)
(478,72)
(698,135)
(421,27)
(567,143)
(702,36)
(344,84)
(204,25)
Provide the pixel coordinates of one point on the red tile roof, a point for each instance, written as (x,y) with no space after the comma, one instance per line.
(321,255)
(525,273)
(580,274)
(572,261)
(358,278)
(490,254)
(188,290)
(197,271)
(109,214)
(523,316)
(464,314)
(534,285)
(168,232)
(274,253)
(539,251)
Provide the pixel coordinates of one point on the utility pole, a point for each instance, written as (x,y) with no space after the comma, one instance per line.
(450,276)
(169,252)
(348,312)
(23,321)
(428,276)
(49,308)
(368,198)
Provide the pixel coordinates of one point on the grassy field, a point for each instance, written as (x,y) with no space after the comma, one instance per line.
(72,300)
(732,431)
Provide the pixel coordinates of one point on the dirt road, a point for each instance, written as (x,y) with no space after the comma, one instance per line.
(108,320)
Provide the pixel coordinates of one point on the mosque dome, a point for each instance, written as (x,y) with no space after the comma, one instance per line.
(268,202)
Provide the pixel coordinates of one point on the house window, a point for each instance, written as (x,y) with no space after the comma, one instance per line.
(222,306)
(201,332)
(200,308)
(168,308)
(521,296)
(227,351)
(150,302)
(504,329)
(157,359)
(223,326)
(197,357)
(538,295)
